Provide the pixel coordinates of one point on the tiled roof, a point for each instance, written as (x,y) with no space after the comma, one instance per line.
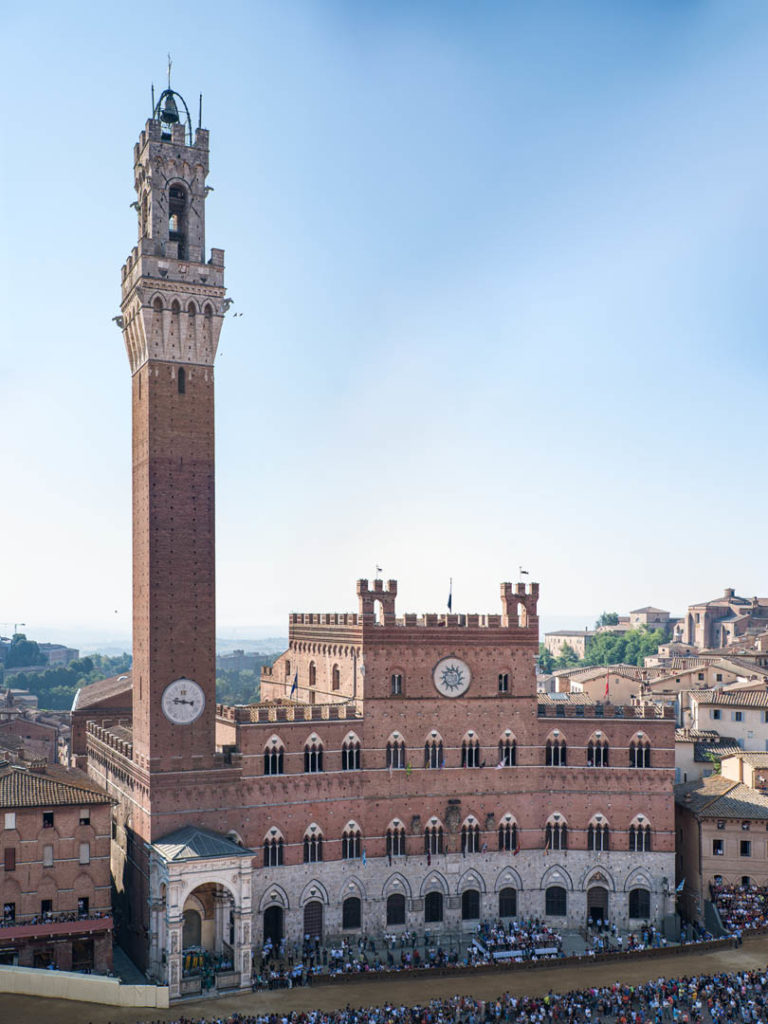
(564,698)
(648,608)
(94,693)
(724,747)
(754,757)
(690,735)
(751,699)
(716,797)
(193,843)
(23,787)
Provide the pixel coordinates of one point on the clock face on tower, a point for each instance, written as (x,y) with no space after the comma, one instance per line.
(451,677)
(183,701)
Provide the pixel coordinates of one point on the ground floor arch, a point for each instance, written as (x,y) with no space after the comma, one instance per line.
(274,925)
(597,904)
(313,919)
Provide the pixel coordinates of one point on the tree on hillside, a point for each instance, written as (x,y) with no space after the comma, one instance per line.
(24,653)
(567,658)
(607,619)
(546,661)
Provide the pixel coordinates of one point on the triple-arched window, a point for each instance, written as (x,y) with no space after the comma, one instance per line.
(396,840)
(556,834)
(470,752)
(598,835)
(640,752)
(395,753)
(639,837)
(273,851)
(433,839)
(508,835)
(313,756)
(351,843)
(470,837)
(313,845)
(555,752)
(350,754)
(433,752)
(274,757)
(597,752)
(507,752)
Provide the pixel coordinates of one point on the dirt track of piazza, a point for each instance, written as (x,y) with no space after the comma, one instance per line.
(399,989)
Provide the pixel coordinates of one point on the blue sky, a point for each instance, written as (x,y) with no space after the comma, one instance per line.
(501,268)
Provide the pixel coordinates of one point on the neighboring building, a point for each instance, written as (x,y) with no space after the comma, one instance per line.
(55,891)
(697,753)
(410,778)
(239,661)
(718,623)
(615,684)
(578,640)
(58,655)
(650,618)
(722,824)
(742,715)
(29,740)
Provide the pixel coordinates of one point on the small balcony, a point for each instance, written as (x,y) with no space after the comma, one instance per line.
(41,929)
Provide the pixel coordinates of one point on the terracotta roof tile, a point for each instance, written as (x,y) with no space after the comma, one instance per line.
(22,787)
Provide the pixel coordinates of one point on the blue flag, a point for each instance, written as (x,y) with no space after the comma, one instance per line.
(450,596)
(681,886)
(295,687)
(364,857)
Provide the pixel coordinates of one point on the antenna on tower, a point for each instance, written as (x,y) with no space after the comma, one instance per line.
(153,99)
(200,116)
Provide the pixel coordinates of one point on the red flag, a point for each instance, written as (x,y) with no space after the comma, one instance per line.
(607,681)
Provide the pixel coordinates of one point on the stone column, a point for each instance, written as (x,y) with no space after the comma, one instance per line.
(173,957)
(243,947)
(156,939)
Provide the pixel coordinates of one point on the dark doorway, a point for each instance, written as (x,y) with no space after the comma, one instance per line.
(470,905)
(508,902)
(433,907)
(396,908)
(273,924)
(351,913)
(192,929)
(597,904)
(82,955)
(313,919)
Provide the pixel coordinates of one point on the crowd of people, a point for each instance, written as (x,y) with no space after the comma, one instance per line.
(9,919)
(529,938)
(741,906)
(720,999)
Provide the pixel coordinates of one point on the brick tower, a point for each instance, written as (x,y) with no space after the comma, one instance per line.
(172,309)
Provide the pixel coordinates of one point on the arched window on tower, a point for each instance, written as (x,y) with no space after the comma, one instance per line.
(335,678)
(181,380)
(396,684)
(177,218)
(312,674)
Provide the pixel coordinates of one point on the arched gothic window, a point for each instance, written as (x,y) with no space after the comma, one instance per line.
(470,837)
(312,674)
(640,753)
(396,684)
(273,852)
(396,754)
(350,755)
(313,847)
(313,757)
(597,753)
(556,835)
(639,838)
(470,753)
(555,752)
(396,841)
(351,844)
(598,837)
(433,839)
(181,380)
(433,753)
(508,835)
(273,759)
(507,752)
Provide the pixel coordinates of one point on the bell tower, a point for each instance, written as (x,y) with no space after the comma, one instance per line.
(173,305)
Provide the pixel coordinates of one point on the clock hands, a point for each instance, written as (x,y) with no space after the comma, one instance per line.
(180,700)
